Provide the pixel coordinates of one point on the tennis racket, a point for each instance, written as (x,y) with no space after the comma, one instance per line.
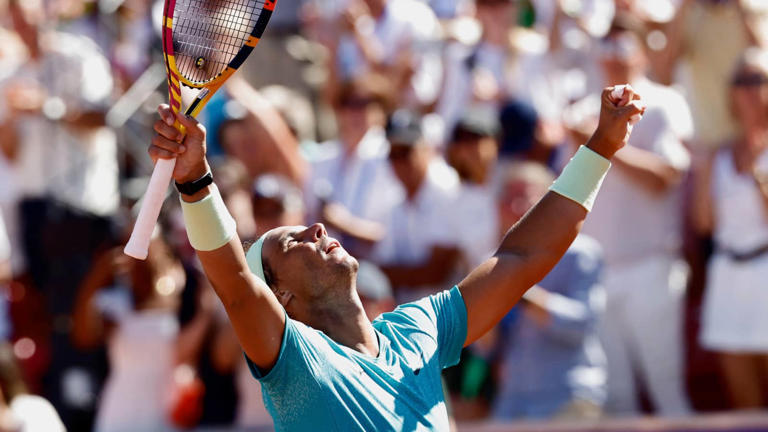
(204,43)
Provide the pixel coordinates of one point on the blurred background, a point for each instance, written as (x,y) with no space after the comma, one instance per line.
(418,132)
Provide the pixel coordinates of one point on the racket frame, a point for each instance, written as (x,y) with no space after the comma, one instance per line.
(138,245)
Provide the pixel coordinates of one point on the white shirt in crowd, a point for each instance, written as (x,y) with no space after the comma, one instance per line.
(362,182)
(415,227)
(407,26)
(77,167)
(733,313)
(741,223)
(476,216)
(629,221)
(35,414)
(445,9)
(137,393)
(5,244)
(529,75)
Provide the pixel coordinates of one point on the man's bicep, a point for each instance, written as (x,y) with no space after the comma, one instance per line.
(255,314)
(259,322)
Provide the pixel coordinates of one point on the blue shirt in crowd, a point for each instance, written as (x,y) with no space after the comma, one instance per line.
(545,368)
(320,385)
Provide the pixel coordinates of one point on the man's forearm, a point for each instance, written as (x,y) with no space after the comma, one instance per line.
(532,247)
(649,170)
(552,225)
(9,140)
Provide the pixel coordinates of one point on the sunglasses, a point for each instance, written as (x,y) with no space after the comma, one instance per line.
(750,80)
(356,103)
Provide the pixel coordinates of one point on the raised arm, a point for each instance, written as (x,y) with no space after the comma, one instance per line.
(256,315)
(664,67)
(534,245)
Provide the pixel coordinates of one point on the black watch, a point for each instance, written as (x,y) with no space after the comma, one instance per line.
(193,187)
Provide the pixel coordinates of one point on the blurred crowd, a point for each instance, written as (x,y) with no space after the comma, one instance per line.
(418,132)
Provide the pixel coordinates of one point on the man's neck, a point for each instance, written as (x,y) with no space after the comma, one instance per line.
(347,324)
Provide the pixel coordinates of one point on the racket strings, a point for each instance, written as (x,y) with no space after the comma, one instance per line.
(208,34)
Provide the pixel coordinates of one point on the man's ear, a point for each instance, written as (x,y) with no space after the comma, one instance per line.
(284,297)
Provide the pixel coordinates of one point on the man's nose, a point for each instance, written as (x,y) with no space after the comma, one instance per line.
(316,231)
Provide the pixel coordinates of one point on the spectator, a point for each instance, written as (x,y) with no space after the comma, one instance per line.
(276,202)
(19,410)
(234,184)
(507,68)
(207,344)
(5,254)
(394,39)
(420,251)
(449,9)
(478,74)
(637,220)
(5,279)
(255,133)
(707,38)
(343,180)
(131,306)
(53,112)
(473,153)
(52,134)
(552,364)
(731,203)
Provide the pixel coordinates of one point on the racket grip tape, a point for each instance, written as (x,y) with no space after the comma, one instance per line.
(138,245)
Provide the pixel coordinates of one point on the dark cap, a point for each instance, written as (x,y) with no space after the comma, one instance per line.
(478,122)
(404,128)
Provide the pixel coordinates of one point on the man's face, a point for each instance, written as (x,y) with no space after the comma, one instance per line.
(496,15)
(354,120)
(621,55)
(410,163)
(308,263)
(749,95)
(517,197)
(472,156)
(272,213)
(376,7)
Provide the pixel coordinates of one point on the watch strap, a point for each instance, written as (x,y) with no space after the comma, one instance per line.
(193,187)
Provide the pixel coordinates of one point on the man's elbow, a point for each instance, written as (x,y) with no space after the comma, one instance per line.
(664,180)
(525,269)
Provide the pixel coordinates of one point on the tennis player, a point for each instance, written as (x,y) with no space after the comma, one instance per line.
(292,299)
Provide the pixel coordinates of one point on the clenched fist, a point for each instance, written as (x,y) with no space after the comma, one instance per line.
(188,149)
(616,119)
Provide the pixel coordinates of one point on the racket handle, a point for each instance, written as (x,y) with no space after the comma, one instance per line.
(138,245)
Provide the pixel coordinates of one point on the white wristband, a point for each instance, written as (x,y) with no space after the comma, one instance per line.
(209,224)
(582,177)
